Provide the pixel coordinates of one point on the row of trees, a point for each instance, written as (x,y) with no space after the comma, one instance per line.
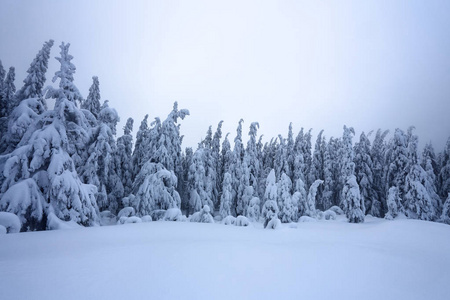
(67,161)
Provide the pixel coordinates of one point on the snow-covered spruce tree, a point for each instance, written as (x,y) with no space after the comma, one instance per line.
(65,76)
(299,197)
(445,216)
(317,167)
(377,153)
(139,148)
(444,174)
(245,191)
(43,157)
(307,207)
(393,202)
(299,165)
(227,156)
(155,188)
(288,209)
(251,157)
(270,208)
(281,158)
(122,157)
(198,195)
(254,209)
(92,102)
(209,165)
(348,170)
(227,196)
(420,199)
(184,189)
(236,165)
(398,163)
(364,176)
(290,144)
(9,91)
(328,180)
(35,80)
(2,76)
(215,152)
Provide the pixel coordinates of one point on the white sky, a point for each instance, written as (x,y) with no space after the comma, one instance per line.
(318,64)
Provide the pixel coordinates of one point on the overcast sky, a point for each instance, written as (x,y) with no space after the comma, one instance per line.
(318,64)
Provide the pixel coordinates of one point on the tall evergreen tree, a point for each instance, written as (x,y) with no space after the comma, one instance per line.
(92,102)
(35,80)
(9,92)
(444,174)
(123,157)
(378,155)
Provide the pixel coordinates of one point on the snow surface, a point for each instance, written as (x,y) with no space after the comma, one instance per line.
(377,259)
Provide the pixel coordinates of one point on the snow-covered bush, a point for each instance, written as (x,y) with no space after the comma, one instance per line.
(158,214)
(274,223)
(132,220)
(146,218)
(24,199)
(55,223)
(229,220)
(10,221)
(242,221)
(3,229)
(337,210)
(172,214)
(202,216)
(393,203)
(253,211)
(126,212)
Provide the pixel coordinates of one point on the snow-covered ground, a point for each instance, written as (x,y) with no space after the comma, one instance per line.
(402,259)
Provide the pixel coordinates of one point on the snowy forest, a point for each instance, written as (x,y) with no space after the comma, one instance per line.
(62,160)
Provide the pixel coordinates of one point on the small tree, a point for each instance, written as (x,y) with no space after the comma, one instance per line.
(227,196)
(352,201)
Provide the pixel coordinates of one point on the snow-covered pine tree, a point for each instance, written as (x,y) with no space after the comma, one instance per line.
(9,91)
(300,196)
(288,211)
(352,200)
(349,192)
(364,176)
(445,216)
(43,157)
(35,80)
(65,76)
(123,157)
(197,176)
(270,208)
(155,188)
(245,190)
(420,199)
(139,148)
(251,158)
(299,165)
(378,153)
(184,189)
(290,153)
(215,152)
(92,102)
(398,163)
(227,196)
(236,165)
(444,174)
(210,168)
(317,167)
(328,181)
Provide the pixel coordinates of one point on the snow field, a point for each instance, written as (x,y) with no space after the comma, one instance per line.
(378,259)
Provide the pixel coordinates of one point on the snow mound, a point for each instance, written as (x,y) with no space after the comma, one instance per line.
(129,220)
(10,221)
(337,210)
(229,220)
(242,221)
(202,216)
(2,229)
(274,223)
(126,212)
(107,218)
(146,219)
(55,223)
(304,219)
(173,214)
(329,215)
